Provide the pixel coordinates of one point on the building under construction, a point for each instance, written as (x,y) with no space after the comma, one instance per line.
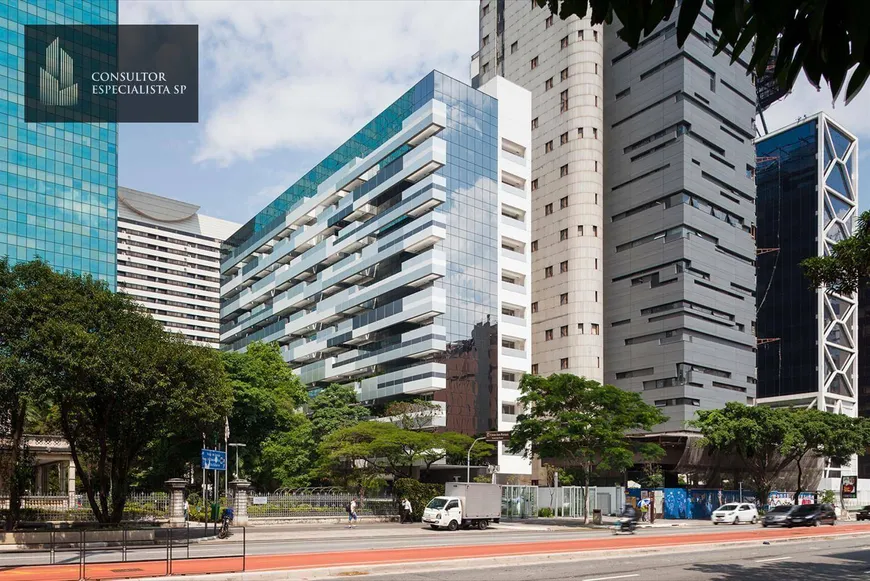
(806,179)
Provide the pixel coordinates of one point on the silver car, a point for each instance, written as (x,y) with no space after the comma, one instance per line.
(776,516)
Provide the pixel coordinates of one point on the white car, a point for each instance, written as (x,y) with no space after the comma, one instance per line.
(735,513)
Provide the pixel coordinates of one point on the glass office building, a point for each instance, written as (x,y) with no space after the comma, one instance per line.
(57,180)
(398,264)
(807,185)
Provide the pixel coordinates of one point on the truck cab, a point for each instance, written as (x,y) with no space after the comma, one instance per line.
(444,512)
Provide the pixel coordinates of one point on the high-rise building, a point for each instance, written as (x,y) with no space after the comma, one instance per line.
(169,262)
(560,63)
(679,212)
(807,201)
(864,369)
(401,262)
(57,181)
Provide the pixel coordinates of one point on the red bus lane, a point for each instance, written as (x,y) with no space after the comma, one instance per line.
(644,540)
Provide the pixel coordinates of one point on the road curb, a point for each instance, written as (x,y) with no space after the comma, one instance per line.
(408,567)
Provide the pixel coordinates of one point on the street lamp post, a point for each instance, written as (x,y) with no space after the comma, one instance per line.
(237,445)
(468,464)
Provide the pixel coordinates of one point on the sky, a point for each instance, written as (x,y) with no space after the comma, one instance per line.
(283,83)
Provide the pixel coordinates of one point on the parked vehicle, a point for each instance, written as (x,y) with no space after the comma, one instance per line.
(776,516)
(811,515)
(464,505)
(863,513)
(735,513)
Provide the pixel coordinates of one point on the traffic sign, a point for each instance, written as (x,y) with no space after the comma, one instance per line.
(214,460)
(498,436)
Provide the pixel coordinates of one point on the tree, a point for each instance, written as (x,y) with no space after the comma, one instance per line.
(118,381)
(334,408)
(385,448)
(412,415)
(287,455)
(578,420)
(825,38)
(756,435)
(268,397)
(820,434)
(848,266)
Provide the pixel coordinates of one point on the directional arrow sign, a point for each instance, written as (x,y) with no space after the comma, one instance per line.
(498,436)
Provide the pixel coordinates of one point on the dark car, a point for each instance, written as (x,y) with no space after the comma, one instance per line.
(776,516)
(863,513)
(811,515)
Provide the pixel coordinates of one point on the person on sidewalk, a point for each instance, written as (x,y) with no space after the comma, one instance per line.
(352,518)
(406,511)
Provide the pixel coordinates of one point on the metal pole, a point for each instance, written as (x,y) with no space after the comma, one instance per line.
(741,491)
(227,472)
(468,464)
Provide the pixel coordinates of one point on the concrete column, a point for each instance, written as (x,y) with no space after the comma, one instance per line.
(176,500)
(240,488)
(40,469)
(71,483)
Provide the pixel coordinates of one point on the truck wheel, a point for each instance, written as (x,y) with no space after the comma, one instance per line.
(434,527)
(482,524)
(453,525)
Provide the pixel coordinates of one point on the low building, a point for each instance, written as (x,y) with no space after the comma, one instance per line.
(401,263)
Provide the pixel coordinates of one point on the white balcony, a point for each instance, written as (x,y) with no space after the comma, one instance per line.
(517,159)
(512,320)
(513,255)
(511,352)
(514,288)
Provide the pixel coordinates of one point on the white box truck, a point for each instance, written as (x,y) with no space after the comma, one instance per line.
(464,505)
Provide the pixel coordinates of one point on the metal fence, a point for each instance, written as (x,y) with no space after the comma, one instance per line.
(139,507)
(76,554)
(519,501)
(317,501)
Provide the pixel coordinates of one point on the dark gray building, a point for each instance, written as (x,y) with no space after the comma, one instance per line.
(679,213)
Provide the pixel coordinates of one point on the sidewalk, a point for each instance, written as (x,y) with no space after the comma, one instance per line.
(609,521)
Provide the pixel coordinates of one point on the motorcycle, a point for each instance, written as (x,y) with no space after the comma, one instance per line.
(224,531)
(624,526)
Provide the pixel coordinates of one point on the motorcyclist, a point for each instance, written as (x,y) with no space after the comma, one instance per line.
(628,518)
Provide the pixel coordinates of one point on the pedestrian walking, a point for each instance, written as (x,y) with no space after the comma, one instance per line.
(352,518)
(406,511)
(186,510)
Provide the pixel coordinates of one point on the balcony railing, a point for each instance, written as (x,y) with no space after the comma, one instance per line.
(513,190)
(514,157)
(520,353)
(513,255)
(513,222)
(514,320)
(516,288)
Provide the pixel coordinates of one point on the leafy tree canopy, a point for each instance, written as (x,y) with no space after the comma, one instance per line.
(848,266)
(335,407)
(824,38)
(767,440)
(117,379)
(580,421)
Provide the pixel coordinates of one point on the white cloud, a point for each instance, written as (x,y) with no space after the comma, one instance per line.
(806,100)
(307,75)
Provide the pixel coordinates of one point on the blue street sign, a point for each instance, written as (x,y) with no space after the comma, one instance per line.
(214,460)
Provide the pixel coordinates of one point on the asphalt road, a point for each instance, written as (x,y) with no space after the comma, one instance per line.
(817,560)
(286,541)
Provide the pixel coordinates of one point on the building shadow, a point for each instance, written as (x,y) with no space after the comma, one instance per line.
(854,566)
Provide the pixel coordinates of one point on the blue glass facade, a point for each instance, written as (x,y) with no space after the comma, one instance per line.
(470,213)
(787,200)
(58,182)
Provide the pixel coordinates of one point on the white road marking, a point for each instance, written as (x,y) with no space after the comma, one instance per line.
(773,559)
(613,577)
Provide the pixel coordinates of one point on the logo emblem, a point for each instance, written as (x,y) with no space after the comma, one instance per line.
(56,87)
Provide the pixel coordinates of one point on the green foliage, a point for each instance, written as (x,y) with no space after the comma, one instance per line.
(652,476)
(334,408)
(418,493)
(827,497)
(767,440)
(824,39)
(266,417)
(581,421)
(545,512)
(848,266)
(117,380)
(385,448)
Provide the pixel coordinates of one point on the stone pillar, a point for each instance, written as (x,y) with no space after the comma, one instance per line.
(240,488)
(71,483)
(176,500)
